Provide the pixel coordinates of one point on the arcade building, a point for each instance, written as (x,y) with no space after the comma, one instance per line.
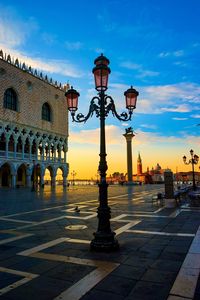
(33,125)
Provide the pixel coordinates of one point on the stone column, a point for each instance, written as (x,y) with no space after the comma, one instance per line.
(59,152)
(169,189)
(54,152)
(15,146)
(7,142)
(65,153)
(36,154)
(128,136)
(30,149)
(23,144)
(43,150)
(13,179)
(53,180)
(49,152)
(64,180)
(28,176)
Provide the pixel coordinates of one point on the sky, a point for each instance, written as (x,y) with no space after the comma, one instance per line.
(152,45)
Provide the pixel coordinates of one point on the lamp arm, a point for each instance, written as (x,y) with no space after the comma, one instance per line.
(188,163)
(124,116)
(93,107)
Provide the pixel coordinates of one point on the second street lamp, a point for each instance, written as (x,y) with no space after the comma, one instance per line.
(73,176)
(101,105)
(193,161)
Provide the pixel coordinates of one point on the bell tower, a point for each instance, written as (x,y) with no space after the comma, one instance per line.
(139,165)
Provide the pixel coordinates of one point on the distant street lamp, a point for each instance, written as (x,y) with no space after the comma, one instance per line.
(194,161)
(101,105)
(73,176)
(97,175)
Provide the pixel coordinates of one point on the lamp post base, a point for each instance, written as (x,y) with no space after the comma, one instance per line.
(104,242)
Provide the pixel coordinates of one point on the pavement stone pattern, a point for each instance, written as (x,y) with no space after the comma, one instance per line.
(45,246)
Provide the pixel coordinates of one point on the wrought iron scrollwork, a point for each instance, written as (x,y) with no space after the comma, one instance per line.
(109,105)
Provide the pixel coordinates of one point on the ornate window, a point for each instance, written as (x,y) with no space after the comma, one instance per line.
(10,99)
(46,112)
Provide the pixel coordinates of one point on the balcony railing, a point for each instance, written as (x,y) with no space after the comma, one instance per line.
(27,156)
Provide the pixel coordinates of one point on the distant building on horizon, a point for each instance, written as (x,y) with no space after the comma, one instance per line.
(155,175)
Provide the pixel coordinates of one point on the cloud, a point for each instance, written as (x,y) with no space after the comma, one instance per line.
(176,53)
(179,119)
(142,72)
(182,108)
(14,32)
(73,45)
(164,54)
(48,38)
(130,65)
(153,139)
(52,66)
(150,126)
(180,63)
(113,134)
(195,116)
(146,73)
(159,99)
(99,50)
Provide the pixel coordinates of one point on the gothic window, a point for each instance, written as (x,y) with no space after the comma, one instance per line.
(46,112)
(10,99)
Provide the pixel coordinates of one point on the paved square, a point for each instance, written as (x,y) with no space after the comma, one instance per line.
(44,246)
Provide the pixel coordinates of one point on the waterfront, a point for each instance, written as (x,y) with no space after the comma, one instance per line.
(45,245)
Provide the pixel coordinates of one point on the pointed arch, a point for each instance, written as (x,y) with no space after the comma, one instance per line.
(5,175)
(21,174)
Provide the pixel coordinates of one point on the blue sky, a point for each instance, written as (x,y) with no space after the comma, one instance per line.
(152,45)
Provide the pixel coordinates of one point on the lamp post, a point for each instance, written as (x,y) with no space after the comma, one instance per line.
(73,175)
(101,105)
(194,161)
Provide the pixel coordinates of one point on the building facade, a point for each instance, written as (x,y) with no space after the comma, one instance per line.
(33,125)
(155,175)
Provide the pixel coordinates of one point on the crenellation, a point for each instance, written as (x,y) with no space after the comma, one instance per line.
(32,71)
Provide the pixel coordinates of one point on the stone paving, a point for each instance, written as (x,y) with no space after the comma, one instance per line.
(44,246)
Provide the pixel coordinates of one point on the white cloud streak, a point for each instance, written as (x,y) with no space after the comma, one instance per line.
(142,73)
(114,136)
(177,98)
(197,116)
(52,66)
(73,45)
(176,53)
(179,119)
(14,33)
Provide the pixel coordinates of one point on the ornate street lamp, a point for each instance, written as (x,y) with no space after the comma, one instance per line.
(101,105)
(194,161)
(73,176)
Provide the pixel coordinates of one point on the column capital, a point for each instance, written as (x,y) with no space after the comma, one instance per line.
(128,136)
